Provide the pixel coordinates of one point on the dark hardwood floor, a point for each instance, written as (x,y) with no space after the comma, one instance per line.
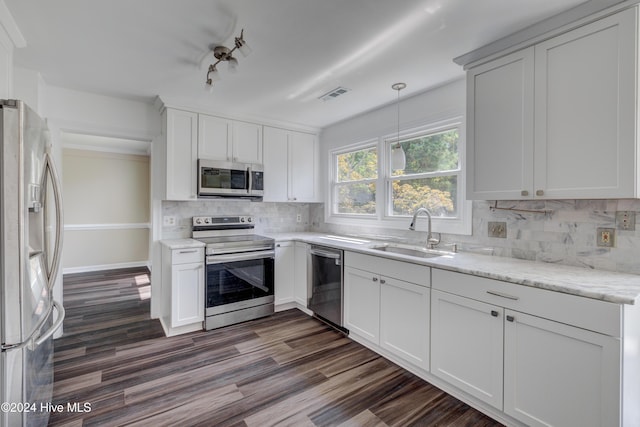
(287,369)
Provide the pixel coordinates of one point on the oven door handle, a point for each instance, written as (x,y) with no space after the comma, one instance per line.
(219,259)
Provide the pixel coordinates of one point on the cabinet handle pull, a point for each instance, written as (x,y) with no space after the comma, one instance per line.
(524,193)
(501,295)
(188,252)
(494,313)
(510,318)
(383,281)
(375,279)
(539,192)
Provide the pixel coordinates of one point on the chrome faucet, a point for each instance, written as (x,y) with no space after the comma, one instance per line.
(431,241)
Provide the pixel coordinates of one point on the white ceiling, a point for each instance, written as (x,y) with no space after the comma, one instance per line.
(301,49)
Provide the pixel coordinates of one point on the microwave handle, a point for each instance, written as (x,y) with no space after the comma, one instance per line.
(250,179)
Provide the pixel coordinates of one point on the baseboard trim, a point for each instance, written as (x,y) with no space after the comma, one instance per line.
(91,268)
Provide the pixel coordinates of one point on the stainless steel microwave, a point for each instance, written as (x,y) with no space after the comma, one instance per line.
(229,179)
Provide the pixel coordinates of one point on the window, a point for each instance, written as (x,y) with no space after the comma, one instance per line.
(430,177)
(366,191)
(355,189)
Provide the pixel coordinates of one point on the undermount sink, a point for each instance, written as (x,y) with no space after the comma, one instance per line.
(414,251)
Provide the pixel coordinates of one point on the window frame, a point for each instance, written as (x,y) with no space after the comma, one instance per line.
(415,134)
(462,224)
(335,185)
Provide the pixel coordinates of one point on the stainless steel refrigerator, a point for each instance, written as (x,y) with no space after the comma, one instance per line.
(30,247)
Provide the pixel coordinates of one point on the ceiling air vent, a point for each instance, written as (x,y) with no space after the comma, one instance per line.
(333,94)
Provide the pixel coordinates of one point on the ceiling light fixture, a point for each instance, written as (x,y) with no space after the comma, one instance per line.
(222,53)
(398,158)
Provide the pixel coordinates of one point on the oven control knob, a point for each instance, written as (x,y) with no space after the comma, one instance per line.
(206,220)
(249,219)
(198,221)
(242,219)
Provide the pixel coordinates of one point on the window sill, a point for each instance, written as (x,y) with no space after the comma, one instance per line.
(460,226)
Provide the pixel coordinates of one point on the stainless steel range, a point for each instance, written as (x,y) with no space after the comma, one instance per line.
(239,270)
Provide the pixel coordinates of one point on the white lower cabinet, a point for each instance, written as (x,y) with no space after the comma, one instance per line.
(404,320)
(528,352)
(467,345)
(362,304)
(284,273)
(183,290)
(386,304)
(559,375)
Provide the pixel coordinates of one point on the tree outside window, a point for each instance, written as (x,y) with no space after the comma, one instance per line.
(430,177)
(355,189)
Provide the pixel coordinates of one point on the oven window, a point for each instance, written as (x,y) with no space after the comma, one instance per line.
(239,281)
(224,178)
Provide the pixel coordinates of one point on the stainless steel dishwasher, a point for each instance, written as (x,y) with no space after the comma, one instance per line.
(326,292)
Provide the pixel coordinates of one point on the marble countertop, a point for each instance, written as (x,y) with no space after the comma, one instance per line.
(603,285)
(182,243)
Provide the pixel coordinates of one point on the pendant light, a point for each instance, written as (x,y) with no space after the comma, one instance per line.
(398,158)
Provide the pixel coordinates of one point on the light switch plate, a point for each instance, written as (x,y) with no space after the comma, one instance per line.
(606,237)
(169,221)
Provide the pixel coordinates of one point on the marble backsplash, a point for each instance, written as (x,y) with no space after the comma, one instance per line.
(565,234)
(270,217)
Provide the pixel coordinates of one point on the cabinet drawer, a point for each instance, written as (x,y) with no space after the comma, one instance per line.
(412,273)
(587,313)
(187,255)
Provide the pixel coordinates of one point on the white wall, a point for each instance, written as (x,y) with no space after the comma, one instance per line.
(29,86)
(10,38)
(444,103)
(82,112)
(438,104)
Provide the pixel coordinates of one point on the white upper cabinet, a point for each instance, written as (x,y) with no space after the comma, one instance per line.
(557,120)
(500,124)
(214,137)
(179,155)
(247,142)
(229,140)
(290,166)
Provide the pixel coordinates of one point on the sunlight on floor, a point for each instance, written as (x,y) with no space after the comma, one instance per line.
(144,286)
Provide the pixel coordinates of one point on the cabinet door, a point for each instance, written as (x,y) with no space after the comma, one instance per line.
(362,304)
(187,294)
(276,165)
(301,276)
(467,345)
(585,111)
(214,138)
(247,142)
(182,155)
(284,274)
(303,167)
(559,375)
(500,128)
(404,320)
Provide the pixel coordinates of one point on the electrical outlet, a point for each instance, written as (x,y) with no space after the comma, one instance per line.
(497,229)
(606,237)
(626,220)
(169,221)
(299,218)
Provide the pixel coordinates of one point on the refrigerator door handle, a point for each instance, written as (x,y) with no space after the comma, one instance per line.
(56,325)
(55,182)
(32,342)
